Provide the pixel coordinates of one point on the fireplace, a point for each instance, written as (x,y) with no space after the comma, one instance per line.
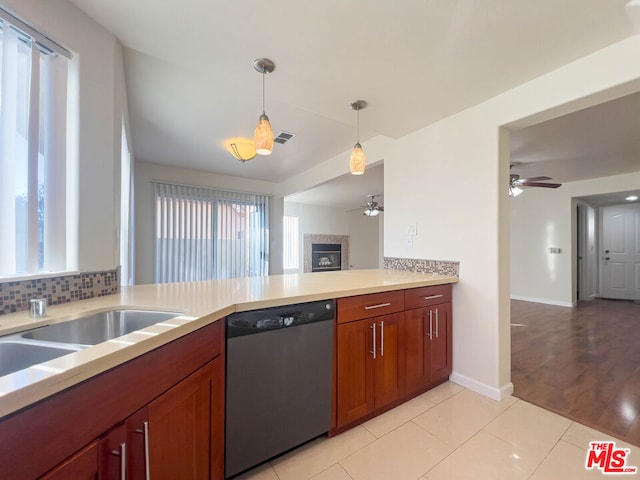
(317,246)
(326,257)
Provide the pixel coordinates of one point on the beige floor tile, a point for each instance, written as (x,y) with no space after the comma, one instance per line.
(383,424)
(315,457)
(442,392)
(566,461)
(263,472)
(530,428)
(461,416)
(484,457)
(404,454)
(335,472)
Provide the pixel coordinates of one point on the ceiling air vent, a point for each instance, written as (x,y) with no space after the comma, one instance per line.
(284,137)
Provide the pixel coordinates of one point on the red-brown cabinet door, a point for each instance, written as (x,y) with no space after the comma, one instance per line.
(355,370)
(179,429)
(389,361)
(441,342)
(417,350)
(81,466)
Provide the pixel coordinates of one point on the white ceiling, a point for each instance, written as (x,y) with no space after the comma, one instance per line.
(191,83)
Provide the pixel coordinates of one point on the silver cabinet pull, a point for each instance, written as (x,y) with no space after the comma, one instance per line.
(436,323)
(373,326)
(382,339)
(430,324)
(123,460)
(145,432)
(147,472)
(430,297)
(380,305)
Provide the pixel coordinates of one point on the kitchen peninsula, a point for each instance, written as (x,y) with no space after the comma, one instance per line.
(199,306)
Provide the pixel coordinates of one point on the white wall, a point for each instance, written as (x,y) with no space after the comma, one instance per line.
(145,173)
(364,240)
(543,218)
(98,61)
(452,177)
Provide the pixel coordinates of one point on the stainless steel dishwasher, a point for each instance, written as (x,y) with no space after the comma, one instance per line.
(279,369)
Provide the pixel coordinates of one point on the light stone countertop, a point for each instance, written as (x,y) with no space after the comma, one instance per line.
(198,304)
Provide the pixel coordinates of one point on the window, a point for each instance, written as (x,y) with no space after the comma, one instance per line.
(290,243)
(204,234)
(33,113)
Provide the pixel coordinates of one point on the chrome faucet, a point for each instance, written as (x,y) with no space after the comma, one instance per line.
(37,307)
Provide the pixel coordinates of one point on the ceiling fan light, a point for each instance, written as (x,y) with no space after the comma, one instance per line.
(263,136)
(358,162)
(372,212)
(514,191)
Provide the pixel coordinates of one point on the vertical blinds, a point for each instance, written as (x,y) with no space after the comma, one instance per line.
(204,234)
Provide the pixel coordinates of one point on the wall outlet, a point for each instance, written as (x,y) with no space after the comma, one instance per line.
(555,250)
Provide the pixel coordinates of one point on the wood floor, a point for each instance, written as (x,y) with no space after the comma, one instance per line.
(583,362)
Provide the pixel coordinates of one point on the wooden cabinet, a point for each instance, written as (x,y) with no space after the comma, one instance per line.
(411,331)
(370,362)
(180,427)
(428,340)
(170,399)
(81,466)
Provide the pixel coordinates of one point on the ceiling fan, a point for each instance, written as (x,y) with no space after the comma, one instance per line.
(371,208)
(515,183)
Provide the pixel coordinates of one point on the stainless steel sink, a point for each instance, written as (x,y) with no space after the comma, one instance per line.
(99,327)
(15,356)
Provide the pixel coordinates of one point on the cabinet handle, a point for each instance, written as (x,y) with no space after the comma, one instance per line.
(380,305)
(382,339)
(430,297)
(145,432)
(373,326)
(430,335)
(147,472)
(123,460)
(437,323)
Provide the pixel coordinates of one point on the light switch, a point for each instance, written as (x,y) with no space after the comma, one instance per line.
(408,240)
(412,229)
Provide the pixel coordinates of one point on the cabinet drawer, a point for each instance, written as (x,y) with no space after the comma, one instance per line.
(372,305)
(425,296)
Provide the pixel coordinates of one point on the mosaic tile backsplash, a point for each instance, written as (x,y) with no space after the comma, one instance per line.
(15,296)
(440,267)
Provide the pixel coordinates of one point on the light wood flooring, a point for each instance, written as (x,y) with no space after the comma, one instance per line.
(583,362)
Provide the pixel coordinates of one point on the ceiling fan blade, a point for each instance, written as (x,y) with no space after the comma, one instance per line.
(539,184)
(534,179)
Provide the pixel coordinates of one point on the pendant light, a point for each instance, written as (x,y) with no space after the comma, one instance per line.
(263,135)
(358,161)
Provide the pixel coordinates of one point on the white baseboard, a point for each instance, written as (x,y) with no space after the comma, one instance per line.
(482,388)
(542,300)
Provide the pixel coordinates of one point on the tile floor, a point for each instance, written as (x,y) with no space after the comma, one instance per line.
(449,433)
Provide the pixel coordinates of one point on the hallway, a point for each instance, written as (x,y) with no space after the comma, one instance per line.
(583,362)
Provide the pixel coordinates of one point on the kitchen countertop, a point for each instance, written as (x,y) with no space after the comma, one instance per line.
(198,304)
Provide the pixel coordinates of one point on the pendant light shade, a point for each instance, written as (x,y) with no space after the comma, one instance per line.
(263,135)
(358,162)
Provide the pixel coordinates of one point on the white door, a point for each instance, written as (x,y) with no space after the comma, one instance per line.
(621,252)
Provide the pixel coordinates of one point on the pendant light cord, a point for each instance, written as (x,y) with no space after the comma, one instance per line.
(263,110)
(358,126)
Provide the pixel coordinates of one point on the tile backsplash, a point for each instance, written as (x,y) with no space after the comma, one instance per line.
(15,296)
(441,267)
